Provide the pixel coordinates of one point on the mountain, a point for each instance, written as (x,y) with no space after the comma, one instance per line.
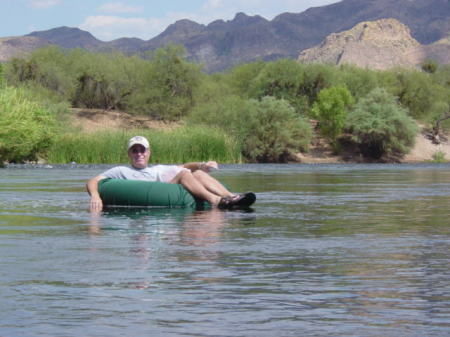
(67,37)
(222,44)
(19,45)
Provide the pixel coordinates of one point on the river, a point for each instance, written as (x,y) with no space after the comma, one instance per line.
(327,250)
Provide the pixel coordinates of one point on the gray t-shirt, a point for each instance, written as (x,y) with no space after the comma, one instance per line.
(163,173)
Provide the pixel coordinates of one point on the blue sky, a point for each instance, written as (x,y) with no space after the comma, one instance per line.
(108,20)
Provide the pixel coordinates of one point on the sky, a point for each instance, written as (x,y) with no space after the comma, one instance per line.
(109,20)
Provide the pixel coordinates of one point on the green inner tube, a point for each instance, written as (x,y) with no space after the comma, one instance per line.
(121,192)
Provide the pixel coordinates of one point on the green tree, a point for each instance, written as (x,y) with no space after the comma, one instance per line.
(167,91)
(104,81)
(280,79)
(357,80)
(331,110)
(232,114)
(418,92)
(25,126)
(46,67)
(381,127)
(240,78)
(315,78)
(276,131)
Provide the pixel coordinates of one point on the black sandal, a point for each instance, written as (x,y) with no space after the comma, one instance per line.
(245,200)
(225,202)
(241,200)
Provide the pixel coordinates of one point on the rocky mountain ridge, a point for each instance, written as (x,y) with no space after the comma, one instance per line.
(222,44)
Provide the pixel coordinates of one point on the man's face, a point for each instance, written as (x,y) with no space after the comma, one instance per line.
(139,156)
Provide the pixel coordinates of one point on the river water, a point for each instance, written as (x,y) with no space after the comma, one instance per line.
(327,250)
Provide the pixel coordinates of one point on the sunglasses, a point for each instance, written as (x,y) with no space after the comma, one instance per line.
(138,150)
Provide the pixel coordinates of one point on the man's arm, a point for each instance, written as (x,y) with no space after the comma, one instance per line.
(92,189)
(204,166)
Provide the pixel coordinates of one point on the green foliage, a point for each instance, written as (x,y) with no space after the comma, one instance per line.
(47,67)
(316,77)
(230,113)
(167,91)
(359,81)
(174,146)
(26,128)
(280,79)
(241,77)
(438,157)
(381,126)
(210,90)
(331,110)
(429,66)
(2,81)
(276,132)
(165,86)
(267,131)
(419,93)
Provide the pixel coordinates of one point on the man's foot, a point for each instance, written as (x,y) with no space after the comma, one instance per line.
(240,200)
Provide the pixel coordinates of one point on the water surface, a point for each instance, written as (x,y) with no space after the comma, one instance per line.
(327,250)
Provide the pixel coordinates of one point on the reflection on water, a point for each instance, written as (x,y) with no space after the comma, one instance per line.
(341,250)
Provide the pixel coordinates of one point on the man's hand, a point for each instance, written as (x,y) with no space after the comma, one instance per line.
(96,204)
(208,166)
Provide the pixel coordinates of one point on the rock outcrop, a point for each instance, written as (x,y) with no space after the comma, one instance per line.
(381,44)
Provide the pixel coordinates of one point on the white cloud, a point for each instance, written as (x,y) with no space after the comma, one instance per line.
(118,8)
(43,4)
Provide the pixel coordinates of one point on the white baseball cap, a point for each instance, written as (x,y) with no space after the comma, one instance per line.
(138,140)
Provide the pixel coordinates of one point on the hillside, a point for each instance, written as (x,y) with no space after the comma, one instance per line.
(222,44)
(14,46)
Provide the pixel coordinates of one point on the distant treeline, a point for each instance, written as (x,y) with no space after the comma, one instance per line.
(266,107)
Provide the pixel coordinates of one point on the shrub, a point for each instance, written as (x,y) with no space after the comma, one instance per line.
(167,90)
(316,77)
(438,157)
(357,80)
(230,113)
(241,77)
(280,79)
(25,126)
(331,109)
(381,126)
(275,131)
(1,76)
(267,131)
(418,92)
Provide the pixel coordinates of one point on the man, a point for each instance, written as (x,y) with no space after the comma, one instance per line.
(193,176)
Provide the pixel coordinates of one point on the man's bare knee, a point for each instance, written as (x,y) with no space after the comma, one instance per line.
(180,176)
(199,173)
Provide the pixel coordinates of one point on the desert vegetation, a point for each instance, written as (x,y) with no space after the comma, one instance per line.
(257,112)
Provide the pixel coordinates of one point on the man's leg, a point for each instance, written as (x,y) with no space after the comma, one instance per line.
(211,184)
(193,185)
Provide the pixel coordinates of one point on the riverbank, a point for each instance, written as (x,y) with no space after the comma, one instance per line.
(96,120)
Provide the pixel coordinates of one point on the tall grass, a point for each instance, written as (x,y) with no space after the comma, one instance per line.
(172,146)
